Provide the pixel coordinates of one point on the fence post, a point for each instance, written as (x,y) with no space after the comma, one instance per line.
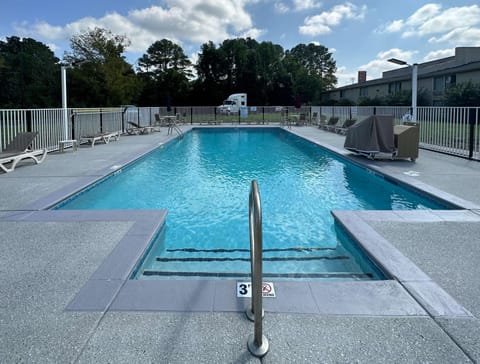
(101,121)
(29,120)
(73,124)
(472,116)
(123,119)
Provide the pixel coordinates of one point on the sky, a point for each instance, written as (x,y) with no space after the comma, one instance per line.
(361,35)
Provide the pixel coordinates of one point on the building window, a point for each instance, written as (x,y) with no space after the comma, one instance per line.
(439,83)
(364,91)
(450,81)
(394,87)
(341,93)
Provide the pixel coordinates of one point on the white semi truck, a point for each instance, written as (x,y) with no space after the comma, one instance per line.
(233,104)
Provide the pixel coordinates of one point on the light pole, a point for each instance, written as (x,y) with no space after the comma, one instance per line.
(64,101)
(63,68)
(414,84)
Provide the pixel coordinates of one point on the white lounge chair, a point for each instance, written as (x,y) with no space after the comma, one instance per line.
(20,148)
(136,129)
(105,137)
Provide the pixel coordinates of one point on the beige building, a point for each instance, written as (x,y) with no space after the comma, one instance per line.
(433,78)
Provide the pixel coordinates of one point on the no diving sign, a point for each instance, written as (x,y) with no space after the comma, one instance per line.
(244,289)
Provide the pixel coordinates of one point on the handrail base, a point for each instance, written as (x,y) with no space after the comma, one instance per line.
(251,315)
(258,351)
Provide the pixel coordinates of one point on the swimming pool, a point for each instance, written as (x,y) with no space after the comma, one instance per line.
(204,179)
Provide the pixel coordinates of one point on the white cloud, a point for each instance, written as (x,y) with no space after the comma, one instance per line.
(181,21)
(344,77)
(376,67)
(325,21)
(396,53)
(394,26)
(281,8)
(53,47)
(442,53)
(460,37)
(302,5)
(455,24)
(450,19)
(423,14)
(253,33)
(297,5)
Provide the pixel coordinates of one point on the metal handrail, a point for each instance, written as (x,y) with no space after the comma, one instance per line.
(257,343)
(173,126)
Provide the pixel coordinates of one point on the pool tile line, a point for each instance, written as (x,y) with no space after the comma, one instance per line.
(436,301)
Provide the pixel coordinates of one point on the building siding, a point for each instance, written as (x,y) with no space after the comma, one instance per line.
(464,67)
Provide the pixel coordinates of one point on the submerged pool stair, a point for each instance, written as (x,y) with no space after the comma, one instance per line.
(235,263)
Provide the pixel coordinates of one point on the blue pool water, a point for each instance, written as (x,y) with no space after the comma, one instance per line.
(203,180)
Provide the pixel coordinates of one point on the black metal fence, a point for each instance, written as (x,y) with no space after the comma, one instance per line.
(451,130)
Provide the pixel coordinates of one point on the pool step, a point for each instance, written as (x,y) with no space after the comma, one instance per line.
(340,275)
(222,250)
(317,262)
(266,259)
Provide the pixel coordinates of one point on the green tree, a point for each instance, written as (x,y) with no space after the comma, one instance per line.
(401,98)
(100,75)
(274,84)
(317,61)
(264,70)
(313,71)
(29,74)
(463,94)
(209,87)
(167,71)
(371,101)
(243,65)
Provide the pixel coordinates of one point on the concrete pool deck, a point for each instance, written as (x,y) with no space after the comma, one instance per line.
(45,263)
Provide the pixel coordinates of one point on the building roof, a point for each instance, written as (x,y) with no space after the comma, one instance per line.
(466,59)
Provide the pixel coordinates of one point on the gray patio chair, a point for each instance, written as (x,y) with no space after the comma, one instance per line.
(20,148)
(332,123)
(346,124)
(136,128)
(101,136)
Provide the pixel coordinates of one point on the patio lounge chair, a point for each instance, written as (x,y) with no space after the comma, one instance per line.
(346,124)
(302,119)
(136,129)
(331,124)
(20,148)
(104,136)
